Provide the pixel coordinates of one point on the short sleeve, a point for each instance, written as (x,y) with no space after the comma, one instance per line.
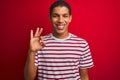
(36,59)
(86,60)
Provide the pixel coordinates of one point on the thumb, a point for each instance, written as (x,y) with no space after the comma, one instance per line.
(42,41)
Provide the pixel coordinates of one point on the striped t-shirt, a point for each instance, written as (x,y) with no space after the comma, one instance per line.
(61,59)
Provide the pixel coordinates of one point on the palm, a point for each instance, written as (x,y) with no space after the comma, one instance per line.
(36,42)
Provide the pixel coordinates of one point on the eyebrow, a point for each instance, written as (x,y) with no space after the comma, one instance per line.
(62,14)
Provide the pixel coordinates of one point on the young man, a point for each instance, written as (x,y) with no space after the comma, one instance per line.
(59,55)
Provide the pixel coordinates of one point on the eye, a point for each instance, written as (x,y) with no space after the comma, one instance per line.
(54,16)
(65,16)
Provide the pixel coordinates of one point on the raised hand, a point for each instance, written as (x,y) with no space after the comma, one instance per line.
(36,41)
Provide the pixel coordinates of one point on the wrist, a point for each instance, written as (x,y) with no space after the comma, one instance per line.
(32,51)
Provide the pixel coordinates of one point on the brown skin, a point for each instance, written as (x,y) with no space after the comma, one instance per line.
(30,69)
(84,74)
(59,17)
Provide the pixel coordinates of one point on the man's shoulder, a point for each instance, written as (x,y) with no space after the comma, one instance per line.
(78,39)
(48,37)
(75,37)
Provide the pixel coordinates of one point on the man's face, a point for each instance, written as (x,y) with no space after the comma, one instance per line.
(60,19)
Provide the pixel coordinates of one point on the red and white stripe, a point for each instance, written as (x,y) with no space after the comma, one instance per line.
(61,59)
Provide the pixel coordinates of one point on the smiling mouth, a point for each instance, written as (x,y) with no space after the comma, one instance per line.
(60,26)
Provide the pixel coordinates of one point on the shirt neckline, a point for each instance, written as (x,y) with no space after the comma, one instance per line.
(58,39)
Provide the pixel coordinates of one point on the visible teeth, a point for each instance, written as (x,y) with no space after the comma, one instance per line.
(60,27)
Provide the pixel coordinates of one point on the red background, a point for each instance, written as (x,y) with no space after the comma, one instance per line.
(97,21)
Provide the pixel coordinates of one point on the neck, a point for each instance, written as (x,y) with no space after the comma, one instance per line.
(61,36)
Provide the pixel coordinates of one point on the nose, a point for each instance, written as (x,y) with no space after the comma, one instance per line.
(60,19)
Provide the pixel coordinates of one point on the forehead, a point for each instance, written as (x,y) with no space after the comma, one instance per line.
(60,10)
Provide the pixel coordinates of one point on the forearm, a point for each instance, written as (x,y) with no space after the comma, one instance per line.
(84,74)
(84,78)
(30,68)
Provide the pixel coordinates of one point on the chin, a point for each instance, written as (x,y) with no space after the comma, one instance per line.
(60,32)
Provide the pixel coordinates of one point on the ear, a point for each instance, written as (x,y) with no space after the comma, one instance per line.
(70,18)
